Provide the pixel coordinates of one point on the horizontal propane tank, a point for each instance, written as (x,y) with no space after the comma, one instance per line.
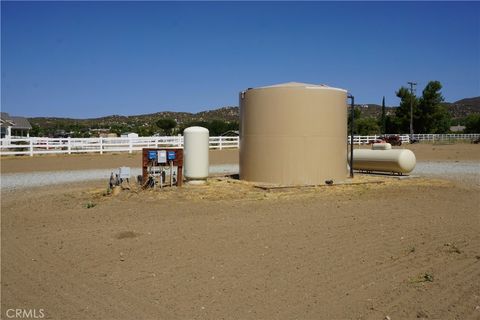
(393,160)
(381,146)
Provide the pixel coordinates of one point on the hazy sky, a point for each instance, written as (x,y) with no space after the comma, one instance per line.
(88,59)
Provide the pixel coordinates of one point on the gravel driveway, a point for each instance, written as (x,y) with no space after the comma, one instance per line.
(11,181)
(462,171)
(466,172)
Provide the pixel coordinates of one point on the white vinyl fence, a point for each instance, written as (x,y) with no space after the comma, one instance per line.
(446,137)
(35,145)
(405,138)
(369,139)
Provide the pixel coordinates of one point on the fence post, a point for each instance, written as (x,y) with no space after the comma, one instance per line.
(130,145)
(220,142)
(238,142)
(69,145)
(31,147)
(101,145)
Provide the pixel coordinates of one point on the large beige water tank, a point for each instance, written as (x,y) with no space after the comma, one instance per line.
(293,134)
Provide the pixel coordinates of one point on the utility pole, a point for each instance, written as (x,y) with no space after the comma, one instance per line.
(412,89)
(383,118)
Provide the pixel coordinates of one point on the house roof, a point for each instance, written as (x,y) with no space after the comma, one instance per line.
(14,122)
(21,123)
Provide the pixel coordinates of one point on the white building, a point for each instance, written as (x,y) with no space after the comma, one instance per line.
(129,135)
(14,126)
(457,128)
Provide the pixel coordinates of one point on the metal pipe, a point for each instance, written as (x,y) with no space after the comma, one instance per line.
(352,118)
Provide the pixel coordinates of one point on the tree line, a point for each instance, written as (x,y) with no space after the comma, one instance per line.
(429,115)
(163,126)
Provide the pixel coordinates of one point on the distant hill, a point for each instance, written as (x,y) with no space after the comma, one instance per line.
(225,114)
(474,102)
(464,107)
(458,109)
(374,110)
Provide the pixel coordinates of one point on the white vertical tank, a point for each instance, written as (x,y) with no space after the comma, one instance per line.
(195,153)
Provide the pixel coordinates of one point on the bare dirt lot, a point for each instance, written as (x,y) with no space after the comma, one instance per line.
(405,249)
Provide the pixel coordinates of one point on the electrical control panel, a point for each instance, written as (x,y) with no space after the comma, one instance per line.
(162,166)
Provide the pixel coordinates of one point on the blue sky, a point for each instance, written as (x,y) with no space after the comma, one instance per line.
(89,59)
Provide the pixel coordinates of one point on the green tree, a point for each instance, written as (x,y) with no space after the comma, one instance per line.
(472,123)
(37,131)
(144,131)
(215,127)
(402,114)
(197,123)
(442,120)
(119,129)
(366,126)
(429,116)
(434,118)
(391,124)
(357,113)
(167,125)
(383,119)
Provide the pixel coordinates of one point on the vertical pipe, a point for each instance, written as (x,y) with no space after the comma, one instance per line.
(352,118)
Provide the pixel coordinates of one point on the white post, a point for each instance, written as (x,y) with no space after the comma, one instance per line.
(220,142)
(69,145)
(130,146)
(101,145)
(31,147)
(238,142)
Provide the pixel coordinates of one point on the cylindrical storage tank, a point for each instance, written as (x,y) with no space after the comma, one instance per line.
(195,153)
(393,160)
(293,134)
(381,146)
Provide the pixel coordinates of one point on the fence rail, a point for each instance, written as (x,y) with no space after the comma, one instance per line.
(36,145)
(446,137)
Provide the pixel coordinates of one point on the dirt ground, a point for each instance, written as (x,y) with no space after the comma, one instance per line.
(423,152)
(405,249)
